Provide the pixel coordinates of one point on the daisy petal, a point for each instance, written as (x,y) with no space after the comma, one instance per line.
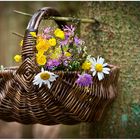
(105,64)
(35,83)
(100,75)
(52,78)
(92,61)
(48,84)
(92,69)
(101,60)
(93,65)
(98,58)
(40,84)
(105,71)
(45,82)
(34,80)
(56,76)
(42,70)
(94,73)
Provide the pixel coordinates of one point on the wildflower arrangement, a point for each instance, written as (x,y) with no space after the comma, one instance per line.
(58,49)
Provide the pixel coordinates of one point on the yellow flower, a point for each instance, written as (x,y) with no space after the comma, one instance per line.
(54,56)
(43,45)
(41,59)
(86,65)
(33,34)
(17,58)
(52,42)
(21,43)
(59,33)
(40,52)
(39,38)
(65,48)
(67,54)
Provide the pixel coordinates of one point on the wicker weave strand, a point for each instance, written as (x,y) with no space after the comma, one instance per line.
(65,102)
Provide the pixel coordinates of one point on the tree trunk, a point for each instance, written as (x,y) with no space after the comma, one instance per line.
(117,40)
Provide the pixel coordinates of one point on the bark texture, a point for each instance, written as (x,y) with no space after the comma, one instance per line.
(117,40)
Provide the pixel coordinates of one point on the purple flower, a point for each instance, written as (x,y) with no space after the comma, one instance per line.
(52,63)
(69,30)
(84,80)
(46,36)
(78,41)
(65,42)
(65,63)
(69,35)
(46,32)
(64,60)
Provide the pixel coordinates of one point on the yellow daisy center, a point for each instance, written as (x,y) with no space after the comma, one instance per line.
(45,76)
(99,67)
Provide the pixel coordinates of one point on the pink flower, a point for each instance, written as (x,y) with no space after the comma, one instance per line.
(69,30)
(46,33)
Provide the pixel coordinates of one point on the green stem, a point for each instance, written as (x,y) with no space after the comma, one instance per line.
(62,50)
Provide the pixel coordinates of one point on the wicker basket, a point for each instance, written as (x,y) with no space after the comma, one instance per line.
(64,103)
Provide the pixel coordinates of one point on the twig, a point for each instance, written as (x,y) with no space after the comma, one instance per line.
(84,20)
(19,12)
(17,34)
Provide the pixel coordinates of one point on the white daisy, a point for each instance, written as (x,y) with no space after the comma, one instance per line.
(44,77)
(99,67)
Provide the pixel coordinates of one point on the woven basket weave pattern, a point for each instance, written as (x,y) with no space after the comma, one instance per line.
(64,103)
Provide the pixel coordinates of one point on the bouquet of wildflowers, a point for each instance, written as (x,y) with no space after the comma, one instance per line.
(63,50)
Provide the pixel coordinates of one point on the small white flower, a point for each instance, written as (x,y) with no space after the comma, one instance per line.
(44,77)
(89,57)
(99,67)
(2,68)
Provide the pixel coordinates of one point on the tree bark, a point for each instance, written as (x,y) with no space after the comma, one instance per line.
(117,40)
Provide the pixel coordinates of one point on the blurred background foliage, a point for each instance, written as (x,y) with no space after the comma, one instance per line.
(117,38)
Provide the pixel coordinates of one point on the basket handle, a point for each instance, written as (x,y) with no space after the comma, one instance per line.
(29,42)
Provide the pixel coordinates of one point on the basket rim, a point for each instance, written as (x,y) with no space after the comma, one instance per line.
(14,68)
